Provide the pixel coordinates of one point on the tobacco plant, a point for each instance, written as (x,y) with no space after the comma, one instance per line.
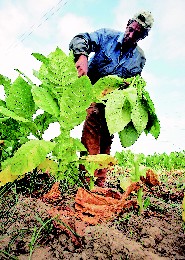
(64,98)
(136,172)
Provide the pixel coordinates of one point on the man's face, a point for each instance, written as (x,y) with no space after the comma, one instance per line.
(133,33)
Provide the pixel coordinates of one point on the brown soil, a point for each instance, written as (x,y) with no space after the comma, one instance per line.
(158,233)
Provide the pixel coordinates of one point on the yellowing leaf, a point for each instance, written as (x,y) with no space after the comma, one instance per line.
(106,91)
(48,166)
(106,85)
(125,182)
(102,160)
(183,216)
(27,158)
(7,176)
(183,208)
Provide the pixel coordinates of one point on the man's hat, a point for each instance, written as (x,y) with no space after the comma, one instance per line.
(145,19)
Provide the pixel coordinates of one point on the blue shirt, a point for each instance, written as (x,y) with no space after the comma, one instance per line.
(109,57)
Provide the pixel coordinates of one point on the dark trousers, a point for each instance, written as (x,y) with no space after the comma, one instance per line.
(95,135)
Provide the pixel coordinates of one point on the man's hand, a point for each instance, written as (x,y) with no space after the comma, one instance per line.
(82,65)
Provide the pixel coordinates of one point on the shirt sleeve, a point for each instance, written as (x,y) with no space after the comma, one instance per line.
(142,60)
(85,43)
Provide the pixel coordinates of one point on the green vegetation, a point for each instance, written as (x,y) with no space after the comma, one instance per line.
(170,169)
(30,167)
(36,233)
(64,98)
(172,161)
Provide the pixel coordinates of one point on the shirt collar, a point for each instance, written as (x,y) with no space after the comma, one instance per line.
(120,38)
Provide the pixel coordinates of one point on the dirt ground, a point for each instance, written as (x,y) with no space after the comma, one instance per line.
(28,232)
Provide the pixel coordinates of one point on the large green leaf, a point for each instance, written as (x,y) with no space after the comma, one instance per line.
(63,67)
(155,129)
(45,101)
(117,111)
(74,102)
(131,94)
(20,99)
(57,71)
(118,108)
(41,58)
(153,125)
(139,117)
(128,135)
(27,158)
(6,82)
(8,113)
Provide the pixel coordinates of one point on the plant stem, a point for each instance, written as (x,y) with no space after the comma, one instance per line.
(140,200)
(136,165)
(92,182)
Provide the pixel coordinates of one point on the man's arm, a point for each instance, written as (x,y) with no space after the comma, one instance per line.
(82,65)
(82,45)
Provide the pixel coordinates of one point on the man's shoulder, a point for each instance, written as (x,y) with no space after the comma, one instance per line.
(110,31)
(141,52)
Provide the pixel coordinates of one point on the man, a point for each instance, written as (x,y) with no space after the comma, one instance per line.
(116,53)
